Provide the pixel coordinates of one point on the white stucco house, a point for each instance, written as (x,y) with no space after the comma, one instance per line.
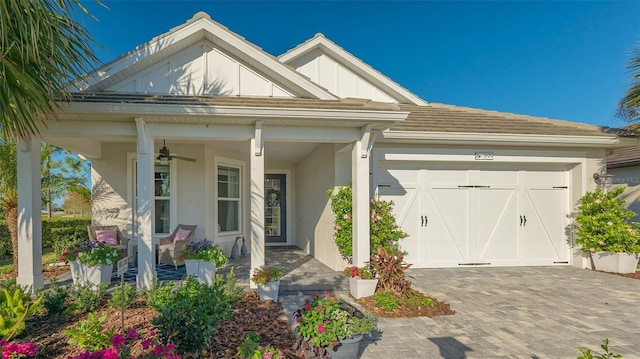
(269,136)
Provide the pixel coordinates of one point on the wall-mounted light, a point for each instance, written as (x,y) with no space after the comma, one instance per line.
(603,179)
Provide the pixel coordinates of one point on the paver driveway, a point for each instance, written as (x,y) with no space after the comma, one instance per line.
(523,312)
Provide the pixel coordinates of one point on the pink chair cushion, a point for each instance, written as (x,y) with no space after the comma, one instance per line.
(107,236)
(181,235)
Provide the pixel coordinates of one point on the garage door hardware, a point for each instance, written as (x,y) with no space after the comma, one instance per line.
(523,221)
(473,186)
(560,187)
(474,264)
(424,221)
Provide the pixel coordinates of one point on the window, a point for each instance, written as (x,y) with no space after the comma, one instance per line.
(228,198)
(162,198)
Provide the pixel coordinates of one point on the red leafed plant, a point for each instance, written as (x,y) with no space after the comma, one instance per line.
(389,267)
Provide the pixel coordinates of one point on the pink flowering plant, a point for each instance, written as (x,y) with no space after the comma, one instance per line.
(358,272)
(324,320)
(384,230)
(262,275)
(12,350)
(602,223)
(121,346)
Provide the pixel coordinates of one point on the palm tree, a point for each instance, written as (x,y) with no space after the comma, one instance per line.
(9,192)
(629,106)
(42,49)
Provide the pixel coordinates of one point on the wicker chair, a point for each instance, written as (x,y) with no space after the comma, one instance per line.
(122,240)
(170,250)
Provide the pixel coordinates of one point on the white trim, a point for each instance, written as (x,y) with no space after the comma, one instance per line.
(201,27)
(173,187)
(234,163)
(290,191)
(498,138)
(308,114)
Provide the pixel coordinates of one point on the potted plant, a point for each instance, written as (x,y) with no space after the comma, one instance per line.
(98,261)
(71,257)
(268,281)
(201,257)
(605,232)
(361,281)
(211,257)
(327,325)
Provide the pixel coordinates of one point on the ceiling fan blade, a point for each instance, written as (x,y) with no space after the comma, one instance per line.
(183,158)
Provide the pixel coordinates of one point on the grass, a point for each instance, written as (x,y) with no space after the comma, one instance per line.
(48,256)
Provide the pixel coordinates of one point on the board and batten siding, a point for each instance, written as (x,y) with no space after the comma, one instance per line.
(202,69)
(339,80)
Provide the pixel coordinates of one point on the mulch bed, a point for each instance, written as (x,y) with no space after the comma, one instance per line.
(405,310)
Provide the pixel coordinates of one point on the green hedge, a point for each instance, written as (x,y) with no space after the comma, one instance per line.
(58,233)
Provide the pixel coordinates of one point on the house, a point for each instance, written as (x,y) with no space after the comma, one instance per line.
(624,165)
(269,136)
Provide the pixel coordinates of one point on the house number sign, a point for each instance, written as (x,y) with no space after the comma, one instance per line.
(484,156)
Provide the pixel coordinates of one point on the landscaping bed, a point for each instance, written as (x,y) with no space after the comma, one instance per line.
(265,318)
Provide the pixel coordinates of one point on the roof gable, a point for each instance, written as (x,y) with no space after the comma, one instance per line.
(201,57)
(332,67)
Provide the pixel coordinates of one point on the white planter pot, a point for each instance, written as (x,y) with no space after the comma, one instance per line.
(98,274)
(77,272)
(361,288)
(207,272)
(269,291)
(192,266)
(615,262)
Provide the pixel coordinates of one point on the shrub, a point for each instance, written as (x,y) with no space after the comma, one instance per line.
(160,294)
(231,288)
(55,297)
(87,296)
(122,296)
(384,230)
(602,223)
(191,314)
(90,334)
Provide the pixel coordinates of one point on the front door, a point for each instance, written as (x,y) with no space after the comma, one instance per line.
(275,208)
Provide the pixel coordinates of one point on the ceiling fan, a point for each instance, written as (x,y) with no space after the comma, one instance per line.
(165,156)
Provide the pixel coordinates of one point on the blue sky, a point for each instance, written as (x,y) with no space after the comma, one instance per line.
(562,60)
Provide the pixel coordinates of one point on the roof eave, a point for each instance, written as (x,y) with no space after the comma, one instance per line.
(497,139)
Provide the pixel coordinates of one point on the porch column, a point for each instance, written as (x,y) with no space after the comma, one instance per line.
(257,201)
(144,214)
(360,201)
(29,217)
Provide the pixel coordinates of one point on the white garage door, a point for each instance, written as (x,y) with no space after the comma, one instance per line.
(482,216)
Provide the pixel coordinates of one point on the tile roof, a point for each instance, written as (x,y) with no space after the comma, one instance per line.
(448,118)
(431,118)
(624,157)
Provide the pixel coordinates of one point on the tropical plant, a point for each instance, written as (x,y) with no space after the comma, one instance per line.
(384,231)
(15,307)
(602,223)
(389,268)
(44,48)
(9,191)
(190,315)
(325,319)
(629,105)
(263,274)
